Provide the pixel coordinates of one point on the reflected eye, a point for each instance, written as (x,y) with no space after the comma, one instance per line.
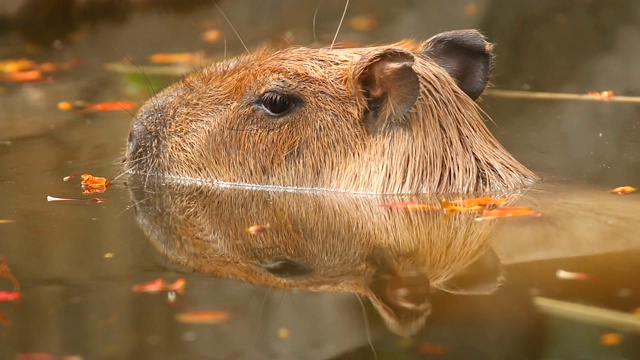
(285,267)
(277,104)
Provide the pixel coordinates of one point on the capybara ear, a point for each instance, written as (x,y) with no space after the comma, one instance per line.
(400,293)
(465,55)
(482,277)
(385,77)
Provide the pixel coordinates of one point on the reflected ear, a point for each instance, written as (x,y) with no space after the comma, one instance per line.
(482,277)
(401,297)
(389,84)
(465,55)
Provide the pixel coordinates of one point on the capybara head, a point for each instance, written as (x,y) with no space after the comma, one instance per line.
(396,119)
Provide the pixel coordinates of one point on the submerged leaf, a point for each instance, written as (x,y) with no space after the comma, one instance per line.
(504,212)
(203,317)
(623,190)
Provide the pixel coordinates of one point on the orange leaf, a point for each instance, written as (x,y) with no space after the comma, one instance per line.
(611,339)
(624,190)
(363,22)
(433,349)
(6,296)
(177,286)
(211,36)
(24,76)
(109,106)
(93,184)
(65,106)
(603,95)
(483,201)
(153,286)
(471,9)
(12,66)
(451,206)
(509,212)
(172,58)
(411,205)
(202,317)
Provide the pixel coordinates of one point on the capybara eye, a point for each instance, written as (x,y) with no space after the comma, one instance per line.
(277,104)
(285,268)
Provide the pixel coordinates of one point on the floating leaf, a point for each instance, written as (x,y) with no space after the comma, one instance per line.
(197,58)
(93,184)
(65,106)
(451,206)
(25,76)
(202,317)
(363,22)
(602,95)
(12,66)
(177,286)
(283,333)
(159,285)
(611,339)
(7,296)
(211,36)
(483,201)
(471,9)
(109,106)
(153,286)
(624,190)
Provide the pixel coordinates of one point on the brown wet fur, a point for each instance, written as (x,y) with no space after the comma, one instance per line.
(382,120)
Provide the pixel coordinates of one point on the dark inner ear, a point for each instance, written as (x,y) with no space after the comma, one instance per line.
(465,55)
(482,277)
(400,296)
(388,82)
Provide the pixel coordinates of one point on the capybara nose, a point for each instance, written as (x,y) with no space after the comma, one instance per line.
(137,133)
(142,143)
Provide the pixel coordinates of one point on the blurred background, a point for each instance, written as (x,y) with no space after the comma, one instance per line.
(76,262)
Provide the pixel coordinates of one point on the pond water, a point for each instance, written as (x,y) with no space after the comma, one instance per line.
(570,288)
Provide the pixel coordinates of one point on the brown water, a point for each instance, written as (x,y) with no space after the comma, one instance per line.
(76,262)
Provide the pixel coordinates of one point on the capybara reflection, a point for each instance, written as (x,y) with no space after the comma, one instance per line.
(321,242)
(395,119)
